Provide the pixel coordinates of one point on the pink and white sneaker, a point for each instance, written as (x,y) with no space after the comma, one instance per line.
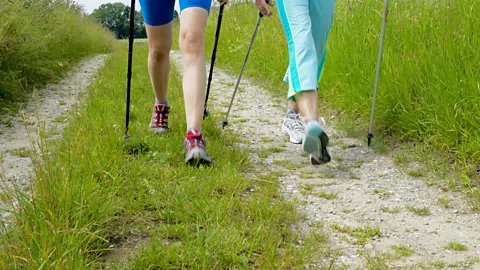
(195,148)
(159,122)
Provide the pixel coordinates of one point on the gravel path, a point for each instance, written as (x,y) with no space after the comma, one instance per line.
(47,111)
(359,191)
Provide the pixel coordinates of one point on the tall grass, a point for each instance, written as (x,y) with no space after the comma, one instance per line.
(430,84)
(41,39)
(94,191)
(429,90)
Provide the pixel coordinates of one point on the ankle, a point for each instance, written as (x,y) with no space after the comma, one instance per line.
(161,102)
(291,111)
(312,122)
(194,130)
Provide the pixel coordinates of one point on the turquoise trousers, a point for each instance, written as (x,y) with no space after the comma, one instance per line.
(306,24)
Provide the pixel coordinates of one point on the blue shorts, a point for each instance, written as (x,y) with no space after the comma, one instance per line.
(160,12)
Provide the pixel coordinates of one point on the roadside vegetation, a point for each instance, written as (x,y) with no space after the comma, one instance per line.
(429,91)
(40,40)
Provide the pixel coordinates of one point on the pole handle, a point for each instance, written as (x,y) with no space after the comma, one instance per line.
(260,14)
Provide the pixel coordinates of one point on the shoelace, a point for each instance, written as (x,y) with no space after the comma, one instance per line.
(157,117)
(195,141)
(160,117)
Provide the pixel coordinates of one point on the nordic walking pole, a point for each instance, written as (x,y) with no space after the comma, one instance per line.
(379,62)
(225,121)
(212,61)
(129,71)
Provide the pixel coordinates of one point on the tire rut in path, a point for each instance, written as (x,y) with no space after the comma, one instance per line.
(364,186)
(48,109)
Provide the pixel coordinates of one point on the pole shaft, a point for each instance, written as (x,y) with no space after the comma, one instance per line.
(129,68)
(244,64)
(212,62)
(379,62)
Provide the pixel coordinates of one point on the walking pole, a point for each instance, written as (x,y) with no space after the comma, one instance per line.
(379,62)
(129,69)
(225,121)
(212,62)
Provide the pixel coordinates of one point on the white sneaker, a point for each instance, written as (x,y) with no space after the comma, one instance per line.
(293,127)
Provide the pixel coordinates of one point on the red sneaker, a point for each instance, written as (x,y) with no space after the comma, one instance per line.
(195,148)
(159,122)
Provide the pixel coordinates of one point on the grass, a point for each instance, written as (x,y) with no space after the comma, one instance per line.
(400,158)
(438,264)
(382,193)
(376,261)
(354,176)
(416,172)
(95,190)
(306,176)
(362,234)
(286,164)
(326,195)
(402,250)
(445,202)
(308,189)
(343,167)
(421,211)
(456,246)
(327,175)
(393,210)
(56,36)
(434,76)
(21,152)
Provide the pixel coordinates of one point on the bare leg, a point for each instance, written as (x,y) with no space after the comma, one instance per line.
(293,105)
(307,101)
(159,43)
(193,24)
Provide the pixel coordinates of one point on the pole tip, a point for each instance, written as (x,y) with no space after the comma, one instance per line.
(205,113)
(369,138)
(224,123)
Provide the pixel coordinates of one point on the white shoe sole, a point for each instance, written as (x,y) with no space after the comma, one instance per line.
(158,130)
(286,131)
(198,156)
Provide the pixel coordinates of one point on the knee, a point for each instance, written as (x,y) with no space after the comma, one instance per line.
(192,42)
(159,52)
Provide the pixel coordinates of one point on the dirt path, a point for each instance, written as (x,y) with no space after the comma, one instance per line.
(48,110)
(362,197)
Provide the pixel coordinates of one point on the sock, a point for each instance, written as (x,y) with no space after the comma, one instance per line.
(313,122)
(164,103)
(290,110)
(195,130)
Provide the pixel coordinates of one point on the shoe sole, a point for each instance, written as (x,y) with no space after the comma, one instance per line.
(287,133)
(325,157)
(316,141)
(197,157)
(158,130)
